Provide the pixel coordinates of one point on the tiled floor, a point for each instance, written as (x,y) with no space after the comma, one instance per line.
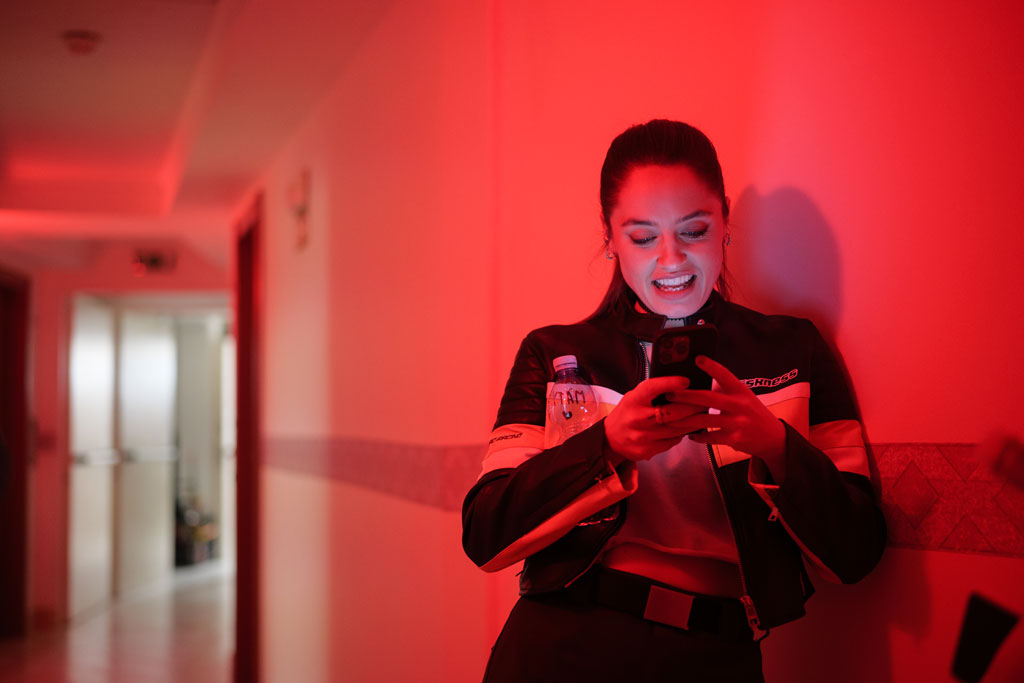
(181,631)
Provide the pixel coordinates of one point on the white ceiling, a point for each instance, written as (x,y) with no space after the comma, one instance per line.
(165,128)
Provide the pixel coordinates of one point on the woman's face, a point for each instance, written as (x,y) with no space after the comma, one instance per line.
(668,233)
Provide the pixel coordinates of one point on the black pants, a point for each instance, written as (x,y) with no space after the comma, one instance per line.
(561,639)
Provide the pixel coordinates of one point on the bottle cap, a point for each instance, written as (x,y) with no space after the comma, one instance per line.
(564,363)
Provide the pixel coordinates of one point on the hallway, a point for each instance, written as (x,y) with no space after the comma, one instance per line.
(386,197)
(180,631)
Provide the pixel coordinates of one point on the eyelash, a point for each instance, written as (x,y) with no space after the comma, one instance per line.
(690,235)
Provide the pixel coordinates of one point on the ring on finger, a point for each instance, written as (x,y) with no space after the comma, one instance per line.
(659,415)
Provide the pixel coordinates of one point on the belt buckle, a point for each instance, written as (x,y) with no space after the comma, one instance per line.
(668,607)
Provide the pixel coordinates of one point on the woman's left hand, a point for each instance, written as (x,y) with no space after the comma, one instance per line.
(743,422)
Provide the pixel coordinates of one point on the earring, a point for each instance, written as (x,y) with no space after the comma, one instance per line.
(728,238)
(608,254)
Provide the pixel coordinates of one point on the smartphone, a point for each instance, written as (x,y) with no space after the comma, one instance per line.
(674,351)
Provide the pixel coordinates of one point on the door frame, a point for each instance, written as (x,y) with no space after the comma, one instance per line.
(248,327)
(14,464)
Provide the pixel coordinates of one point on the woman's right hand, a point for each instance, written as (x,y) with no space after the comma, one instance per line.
(633,428)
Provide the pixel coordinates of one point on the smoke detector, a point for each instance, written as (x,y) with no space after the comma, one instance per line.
(153,261)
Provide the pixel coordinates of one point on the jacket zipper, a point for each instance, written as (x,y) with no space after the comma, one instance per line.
(748,602)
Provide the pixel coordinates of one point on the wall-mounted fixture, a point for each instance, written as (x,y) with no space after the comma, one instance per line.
(151,261)
(298,203)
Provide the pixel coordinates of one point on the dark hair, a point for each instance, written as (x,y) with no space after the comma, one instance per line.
(663,143)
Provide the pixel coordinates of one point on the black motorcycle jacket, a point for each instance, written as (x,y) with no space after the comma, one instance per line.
(556,507)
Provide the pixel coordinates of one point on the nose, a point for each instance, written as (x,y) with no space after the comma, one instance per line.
(672,253)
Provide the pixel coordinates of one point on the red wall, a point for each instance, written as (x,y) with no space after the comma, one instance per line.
(871,155)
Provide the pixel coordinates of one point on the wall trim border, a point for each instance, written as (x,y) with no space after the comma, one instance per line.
(936,496)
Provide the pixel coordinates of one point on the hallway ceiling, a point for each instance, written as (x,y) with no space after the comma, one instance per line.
(165,128)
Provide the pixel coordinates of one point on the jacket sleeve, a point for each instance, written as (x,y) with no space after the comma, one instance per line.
(826,501)
(528,496)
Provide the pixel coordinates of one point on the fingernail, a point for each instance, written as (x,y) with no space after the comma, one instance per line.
(701,361)
(686,382)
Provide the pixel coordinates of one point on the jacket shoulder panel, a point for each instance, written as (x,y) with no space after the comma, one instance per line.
(606,357)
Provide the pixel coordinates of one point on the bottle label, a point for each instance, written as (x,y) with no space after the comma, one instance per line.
(570,399)
(569,411)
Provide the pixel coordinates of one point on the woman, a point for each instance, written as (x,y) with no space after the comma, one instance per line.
(664,541)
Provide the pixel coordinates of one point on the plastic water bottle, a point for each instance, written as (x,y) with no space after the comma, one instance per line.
(572,405)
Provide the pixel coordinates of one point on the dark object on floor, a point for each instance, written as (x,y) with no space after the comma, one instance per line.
(984,629)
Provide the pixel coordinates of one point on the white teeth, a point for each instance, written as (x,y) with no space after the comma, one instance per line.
(680,281)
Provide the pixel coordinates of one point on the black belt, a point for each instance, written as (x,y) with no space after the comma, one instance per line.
(653,601)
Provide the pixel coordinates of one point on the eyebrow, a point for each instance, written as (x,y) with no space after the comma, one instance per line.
(637,221)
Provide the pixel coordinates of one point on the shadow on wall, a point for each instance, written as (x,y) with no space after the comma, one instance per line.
(785,259)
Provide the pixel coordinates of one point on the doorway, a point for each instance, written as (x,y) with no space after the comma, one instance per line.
(152,441)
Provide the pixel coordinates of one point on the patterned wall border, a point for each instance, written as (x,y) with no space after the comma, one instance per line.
(438,476)
(935,496)
(942,497)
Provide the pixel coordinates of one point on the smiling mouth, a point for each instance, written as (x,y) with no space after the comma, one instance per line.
(675,284)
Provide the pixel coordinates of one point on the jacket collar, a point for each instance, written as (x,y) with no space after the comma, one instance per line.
(634,318)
